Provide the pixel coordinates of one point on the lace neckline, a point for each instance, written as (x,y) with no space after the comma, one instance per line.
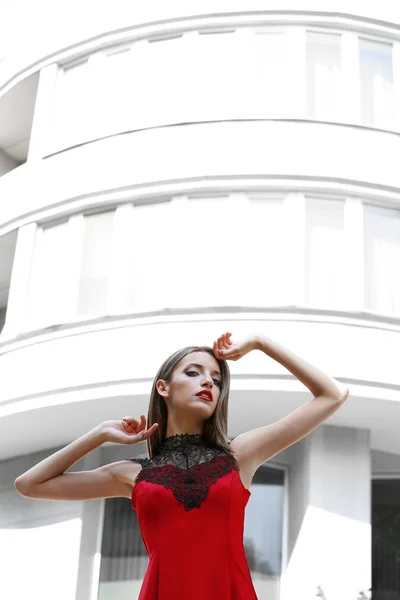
(188,464)
(182,440)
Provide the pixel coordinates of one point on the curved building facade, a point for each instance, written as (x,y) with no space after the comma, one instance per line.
(172,172)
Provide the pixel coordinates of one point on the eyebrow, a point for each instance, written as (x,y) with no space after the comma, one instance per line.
(201,367)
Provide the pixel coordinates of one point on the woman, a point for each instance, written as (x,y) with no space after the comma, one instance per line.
(190,492)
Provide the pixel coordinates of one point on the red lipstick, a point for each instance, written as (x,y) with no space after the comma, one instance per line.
(206,395)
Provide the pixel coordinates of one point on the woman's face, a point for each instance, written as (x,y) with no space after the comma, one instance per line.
(195,373)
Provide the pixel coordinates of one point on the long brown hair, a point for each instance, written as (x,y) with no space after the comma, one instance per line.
(215,428)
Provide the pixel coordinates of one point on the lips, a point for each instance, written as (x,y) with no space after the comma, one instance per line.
(205,395)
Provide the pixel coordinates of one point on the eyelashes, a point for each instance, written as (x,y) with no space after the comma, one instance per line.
(217,382)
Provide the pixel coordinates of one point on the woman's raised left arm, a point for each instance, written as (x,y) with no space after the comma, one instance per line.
(254,447)
(318,382)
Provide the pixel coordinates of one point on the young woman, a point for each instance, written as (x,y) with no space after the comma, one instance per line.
(191,491)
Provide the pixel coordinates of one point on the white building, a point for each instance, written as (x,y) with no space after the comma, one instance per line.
(169,172)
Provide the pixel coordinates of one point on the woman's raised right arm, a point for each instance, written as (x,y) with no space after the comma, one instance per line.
(48,480)
(108,481)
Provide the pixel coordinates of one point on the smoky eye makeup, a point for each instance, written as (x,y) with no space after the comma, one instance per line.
(188,372)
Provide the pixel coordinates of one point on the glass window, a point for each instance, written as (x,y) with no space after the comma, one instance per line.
(325,253)
(213,76)
(214,250)
(124,559)
(324,78)
(142,86)
(386,538)
(268,68)
(165,93)
(196,76)
(48,296)
(203,249)
(263,530)
(114,86)
(55,269)
(73,104)
(96,265)
(382,259)
(150,270)
(263,250)
(376,73)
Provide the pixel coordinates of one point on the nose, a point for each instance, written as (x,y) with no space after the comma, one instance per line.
(208,381)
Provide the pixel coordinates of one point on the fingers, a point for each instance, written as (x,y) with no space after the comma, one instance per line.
(150,431)
(228,341)
(130,419)
(217,347)
(223,343)
(129,423)
(132,425)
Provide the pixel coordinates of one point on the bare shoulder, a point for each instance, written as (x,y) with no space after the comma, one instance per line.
(125,472)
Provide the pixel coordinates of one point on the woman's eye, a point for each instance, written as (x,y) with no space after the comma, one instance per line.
(217,382)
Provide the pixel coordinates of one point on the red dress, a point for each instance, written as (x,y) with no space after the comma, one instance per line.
(190,503)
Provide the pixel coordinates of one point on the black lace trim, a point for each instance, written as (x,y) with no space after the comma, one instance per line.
(182,440)
(187,465)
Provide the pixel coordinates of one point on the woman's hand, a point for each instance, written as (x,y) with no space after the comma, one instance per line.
(225,349)
(128,430)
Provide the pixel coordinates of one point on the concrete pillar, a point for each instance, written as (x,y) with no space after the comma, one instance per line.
(329,515)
